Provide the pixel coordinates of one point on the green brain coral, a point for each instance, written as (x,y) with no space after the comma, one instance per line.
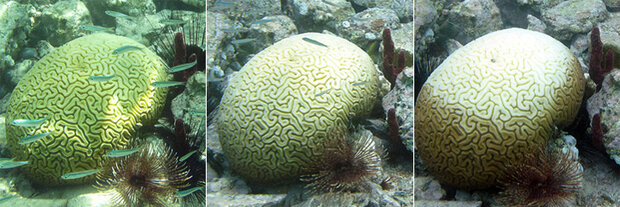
(493,101)
(277,112)
(86,118)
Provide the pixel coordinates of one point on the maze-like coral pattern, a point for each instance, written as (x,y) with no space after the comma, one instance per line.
(86,118)
(493,101)
(273,120)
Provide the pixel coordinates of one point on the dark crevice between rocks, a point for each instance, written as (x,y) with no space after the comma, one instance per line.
(513,14)
(175,5)
(357,8)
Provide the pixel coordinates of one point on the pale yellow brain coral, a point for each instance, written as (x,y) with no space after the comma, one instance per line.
(493,101)
(86,118)
(276,112)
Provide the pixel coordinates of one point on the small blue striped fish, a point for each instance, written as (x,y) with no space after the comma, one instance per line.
(164,84)
(33,138)
(187,156)
(28,122)
(184,193)
(12,164)
(121,153)
(100,78)
(182,67)
(79,174)
(125,48)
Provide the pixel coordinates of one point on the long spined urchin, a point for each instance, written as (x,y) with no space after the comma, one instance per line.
(149,177)
(544,179)
(345,165)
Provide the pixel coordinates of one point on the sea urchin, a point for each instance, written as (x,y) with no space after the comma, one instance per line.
(544,179)
(149,177)
(345,165)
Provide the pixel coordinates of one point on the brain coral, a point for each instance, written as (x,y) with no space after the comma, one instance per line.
(277,111)
(86,118)
(493,101)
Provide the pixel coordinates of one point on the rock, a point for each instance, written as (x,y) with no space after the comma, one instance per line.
(211,174)
(2,122)
(367,26)
(190,104)
(448,203)
(529,2)
(220,56)
(372,3)
(535,24)
(228,185)
(6,61)
(215,155)
(28,53)
(151,31)
(195,3)
(452,45)
(17,20)
(217,200)
(382,198)
(102,199)
(403,187)
(427,188)
(134,8)
(21,201)
(317,15)
(215,89)
(565,144)
(399,99)
(59,23)
(270,32)
(213,142)
(610,36)
(246,10)
(43,48)
(402,40)
(337,199)
(404,10)
(580,45)
(425,15)
(471,19)
(604,102)
(600,181)
(613,5)
(19,70)
(572,17)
